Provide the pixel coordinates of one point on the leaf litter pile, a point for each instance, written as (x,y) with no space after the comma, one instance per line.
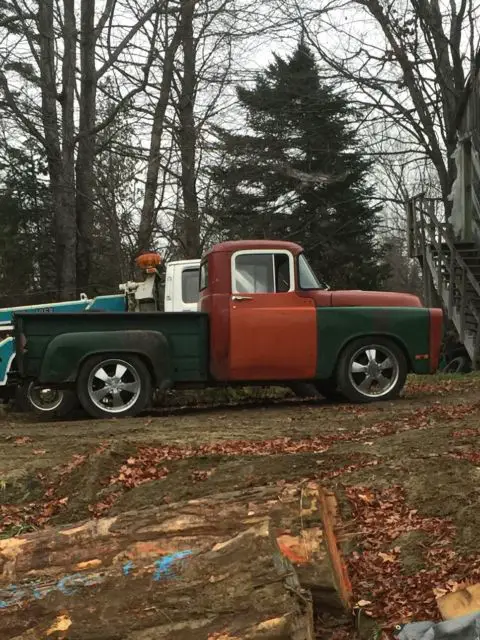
(387,465)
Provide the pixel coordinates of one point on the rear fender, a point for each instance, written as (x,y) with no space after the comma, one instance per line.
(67,352)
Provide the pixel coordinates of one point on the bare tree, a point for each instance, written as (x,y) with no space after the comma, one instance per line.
(38,57)
(405,64)
(188,135)
(172,39)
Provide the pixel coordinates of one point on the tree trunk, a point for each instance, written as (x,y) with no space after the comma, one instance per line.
(60,161)
(86,145)
(147,220)
(190,222)
(180,587)
(102,572)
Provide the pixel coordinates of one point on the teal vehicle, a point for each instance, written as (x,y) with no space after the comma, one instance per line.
(31,396)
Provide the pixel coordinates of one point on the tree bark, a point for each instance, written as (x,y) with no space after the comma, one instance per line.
(83,569)
(190,222)
(60,160)
(86,145)
(178,588)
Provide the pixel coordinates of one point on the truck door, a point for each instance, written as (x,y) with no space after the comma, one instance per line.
(273,331)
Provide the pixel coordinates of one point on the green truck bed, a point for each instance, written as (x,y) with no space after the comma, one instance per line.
(183,336)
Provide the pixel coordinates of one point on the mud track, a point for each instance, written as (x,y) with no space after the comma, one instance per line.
(406,473)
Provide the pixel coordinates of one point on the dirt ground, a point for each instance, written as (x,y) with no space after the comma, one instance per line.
(406,474)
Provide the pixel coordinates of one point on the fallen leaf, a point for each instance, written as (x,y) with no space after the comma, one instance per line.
(363,603)
(387,557)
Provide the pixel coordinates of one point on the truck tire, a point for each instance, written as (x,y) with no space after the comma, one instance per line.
(458,361)
(114,386)
(45,402)
(371,369)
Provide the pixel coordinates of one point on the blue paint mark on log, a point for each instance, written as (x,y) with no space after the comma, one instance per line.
(62,585)
(70,584)
(163,567)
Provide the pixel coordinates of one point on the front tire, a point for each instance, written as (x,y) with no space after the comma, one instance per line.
(114,386)
(371,369)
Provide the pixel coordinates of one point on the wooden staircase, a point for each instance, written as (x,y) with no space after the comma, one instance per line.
(451,271)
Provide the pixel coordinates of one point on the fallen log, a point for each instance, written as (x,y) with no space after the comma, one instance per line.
(240,588)
(46,569)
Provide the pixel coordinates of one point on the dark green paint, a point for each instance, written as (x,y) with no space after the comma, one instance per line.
(337,326)
(77,336)
(66,353)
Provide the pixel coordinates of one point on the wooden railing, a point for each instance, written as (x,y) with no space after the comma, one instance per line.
(444,269)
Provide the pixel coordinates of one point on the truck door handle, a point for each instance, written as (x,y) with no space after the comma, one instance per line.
(240,298)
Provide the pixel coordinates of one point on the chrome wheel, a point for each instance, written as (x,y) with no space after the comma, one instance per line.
(114,386)
(44,399)
(374,371)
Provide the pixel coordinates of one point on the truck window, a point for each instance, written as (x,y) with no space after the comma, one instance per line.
(306,277)
(190,291)
(261,273)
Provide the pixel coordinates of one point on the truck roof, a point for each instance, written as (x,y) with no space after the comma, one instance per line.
(193,262)
(237,245)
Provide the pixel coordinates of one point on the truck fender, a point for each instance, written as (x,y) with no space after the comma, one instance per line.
(67,352)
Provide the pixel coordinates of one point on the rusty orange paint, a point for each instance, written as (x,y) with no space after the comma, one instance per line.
(272,337)
(230,246)
(291,553)
(214,300)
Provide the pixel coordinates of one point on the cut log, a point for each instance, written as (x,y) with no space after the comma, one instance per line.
(460,603)
(49,566)
(241,588)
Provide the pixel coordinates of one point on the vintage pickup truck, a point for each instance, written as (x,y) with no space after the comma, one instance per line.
(264,318)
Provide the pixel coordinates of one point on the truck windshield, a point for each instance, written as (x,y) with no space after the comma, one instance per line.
(306,277)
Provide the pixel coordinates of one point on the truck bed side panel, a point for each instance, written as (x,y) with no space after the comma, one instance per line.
(186,333)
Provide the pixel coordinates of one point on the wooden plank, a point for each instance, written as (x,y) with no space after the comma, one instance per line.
(460,603)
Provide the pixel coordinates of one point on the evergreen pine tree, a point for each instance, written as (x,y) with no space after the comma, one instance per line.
(271,180)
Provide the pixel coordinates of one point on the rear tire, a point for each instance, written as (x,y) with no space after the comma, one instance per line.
(114,386)
(371,370)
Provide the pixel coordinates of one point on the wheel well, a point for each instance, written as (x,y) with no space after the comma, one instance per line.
(146,361)
(393,339)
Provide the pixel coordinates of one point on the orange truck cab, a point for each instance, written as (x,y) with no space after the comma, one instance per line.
(272,319)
